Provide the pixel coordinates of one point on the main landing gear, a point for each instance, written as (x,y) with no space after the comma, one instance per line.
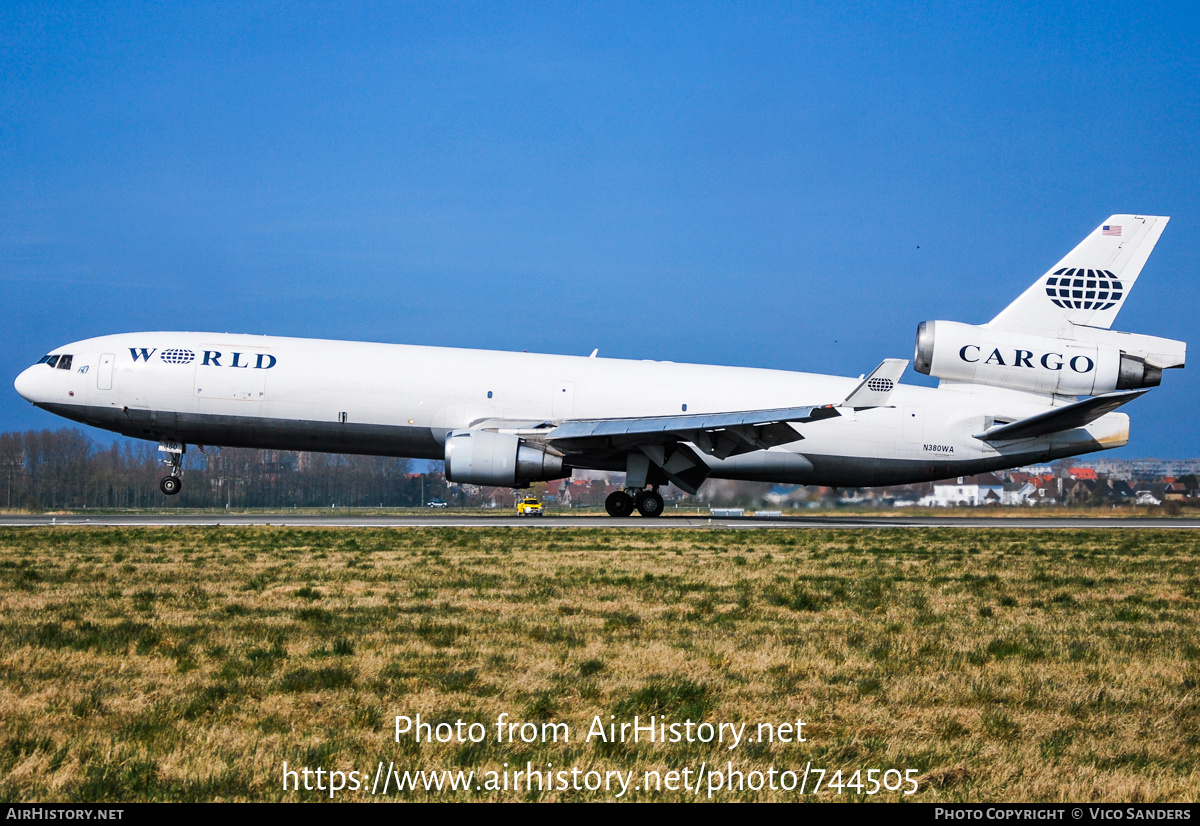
(171,485)
(622,503)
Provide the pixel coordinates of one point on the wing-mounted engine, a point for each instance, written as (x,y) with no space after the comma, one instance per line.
(1091,362)
(484,457)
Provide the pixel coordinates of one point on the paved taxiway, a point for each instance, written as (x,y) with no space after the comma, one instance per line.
(450,520)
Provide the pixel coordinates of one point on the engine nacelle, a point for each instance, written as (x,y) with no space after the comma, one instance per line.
(484,457)
(1071,367)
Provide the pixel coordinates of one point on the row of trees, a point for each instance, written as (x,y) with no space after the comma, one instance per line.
(52,469)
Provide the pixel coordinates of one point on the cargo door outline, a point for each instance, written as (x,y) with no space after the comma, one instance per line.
(104,376)
(563,403)
(914,428)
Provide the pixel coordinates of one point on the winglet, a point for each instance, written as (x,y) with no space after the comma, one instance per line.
(876,389)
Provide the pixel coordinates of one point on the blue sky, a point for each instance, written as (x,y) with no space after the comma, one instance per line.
(752,184)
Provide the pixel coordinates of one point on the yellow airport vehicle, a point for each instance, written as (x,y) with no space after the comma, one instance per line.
(529,506)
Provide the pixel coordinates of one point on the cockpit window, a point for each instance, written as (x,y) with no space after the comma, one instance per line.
(64,362)
(51,360)
(42,360)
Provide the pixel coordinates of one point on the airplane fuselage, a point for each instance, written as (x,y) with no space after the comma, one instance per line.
(402,400)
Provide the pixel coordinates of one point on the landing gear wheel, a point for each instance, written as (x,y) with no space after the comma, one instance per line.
(650,503)
(171,485)
(619,503)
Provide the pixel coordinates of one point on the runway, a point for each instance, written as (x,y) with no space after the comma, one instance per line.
(667,521)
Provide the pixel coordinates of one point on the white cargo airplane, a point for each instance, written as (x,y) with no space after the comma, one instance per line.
(1038,382)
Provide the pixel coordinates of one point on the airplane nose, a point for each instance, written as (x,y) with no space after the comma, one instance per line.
(25,384)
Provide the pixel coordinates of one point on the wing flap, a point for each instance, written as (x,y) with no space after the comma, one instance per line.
(510,425)
(717,434)
(638,426)
(1060,418)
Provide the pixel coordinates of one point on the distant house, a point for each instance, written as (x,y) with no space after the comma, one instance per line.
(1020,493)
(972,491)
(1174,492)
(1080,491)
(1149,494)
(1120,492)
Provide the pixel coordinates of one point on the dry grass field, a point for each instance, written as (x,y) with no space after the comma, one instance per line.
(998,665)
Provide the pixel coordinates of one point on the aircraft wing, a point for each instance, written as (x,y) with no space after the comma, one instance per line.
(666,441)
(719,434)
(1060,418)
(728,433)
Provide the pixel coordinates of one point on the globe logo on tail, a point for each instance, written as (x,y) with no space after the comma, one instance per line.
(1081,289)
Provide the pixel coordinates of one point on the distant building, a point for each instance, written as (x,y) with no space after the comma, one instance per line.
(1175,492)
(1142,468)
(1146,497)
(1021,493)
(972,491)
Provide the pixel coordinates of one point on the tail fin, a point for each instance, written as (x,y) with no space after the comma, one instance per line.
(1088,286)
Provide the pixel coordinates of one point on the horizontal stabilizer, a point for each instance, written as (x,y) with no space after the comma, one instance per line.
(876,389)
(1060,418)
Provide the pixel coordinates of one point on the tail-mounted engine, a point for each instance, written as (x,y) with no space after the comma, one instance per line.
(484,457)
(1092,362)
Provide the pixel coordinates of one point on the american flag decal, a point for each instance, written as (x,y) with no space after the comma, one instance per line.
(1110,230)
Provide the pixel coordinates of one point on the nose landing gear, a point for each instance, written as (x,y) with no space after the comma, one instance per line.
(172,484)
